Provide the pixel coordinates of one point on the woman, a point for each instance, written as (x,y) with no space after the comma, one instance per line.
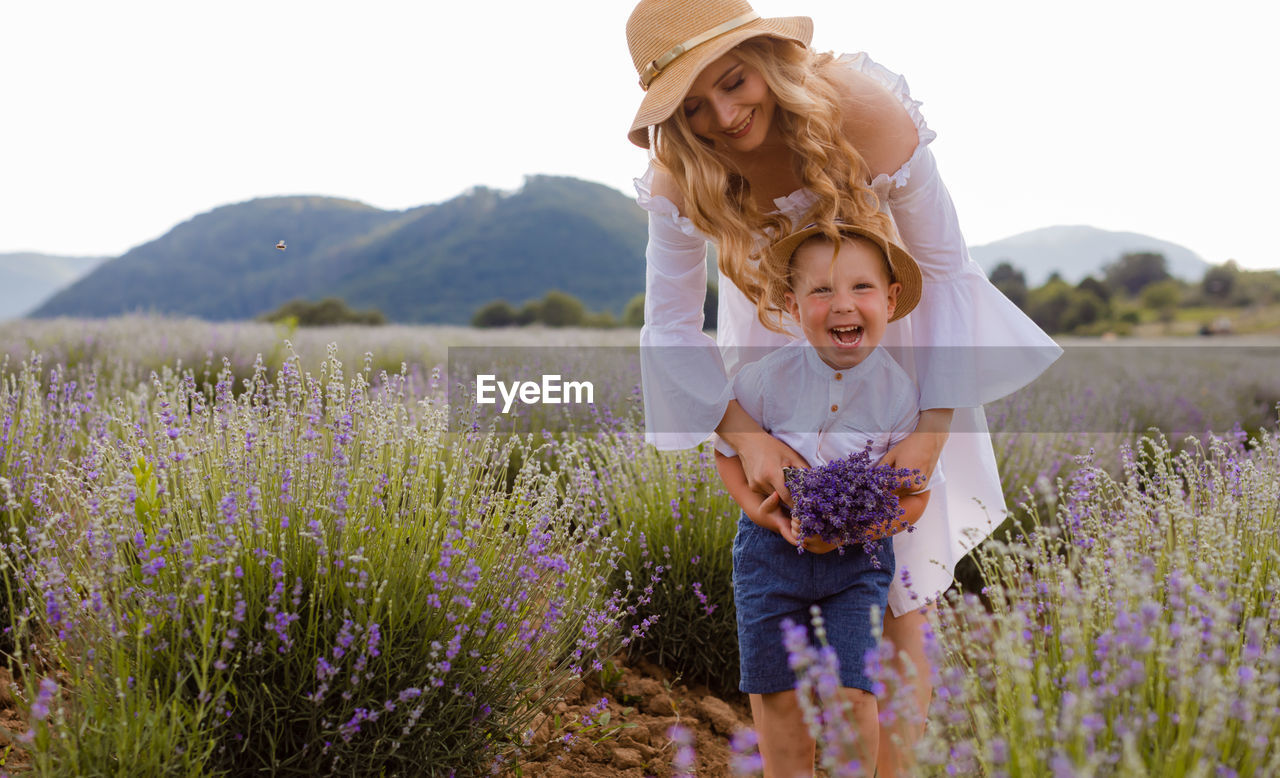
(751,132)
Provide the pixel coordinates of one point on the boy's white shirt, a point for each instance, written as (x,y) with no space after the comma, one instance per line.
(791,393)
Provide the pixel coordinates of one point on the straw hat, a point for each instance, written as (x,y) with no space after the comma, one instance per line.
(904,267)
(671,41)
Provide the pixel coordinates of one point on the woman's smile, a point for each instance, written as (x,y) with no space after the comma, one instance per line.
(741,130)
(730,102)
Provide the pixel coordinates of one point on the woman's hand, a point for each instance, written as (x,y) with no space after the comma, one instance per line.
(920,450)
(762,455)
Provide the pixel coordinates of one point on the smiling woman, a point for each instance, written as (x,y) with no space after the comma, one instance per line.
(751,133)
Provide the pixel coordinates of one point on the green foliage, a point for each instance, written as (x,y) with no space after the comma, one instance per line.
(1134,271)
(435,263)
(600,320)
(1059,307)
(1129,631)
(633,314)
(1011,282)
(559,309)
(1048,305)
(333,583)
(498,313)
(328,312)
(1096,288)
(529,313)
(1219,282)
(1256,287)
(1163,297)
(678,517)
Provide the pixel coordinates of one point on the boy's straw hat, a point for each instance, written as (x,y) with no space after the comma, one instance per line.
(905,269)
(671,41)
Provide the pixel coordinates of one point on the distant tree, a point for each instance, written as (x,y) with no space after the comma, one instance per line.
(529,313)
(1048,305)
(1011,282)
(1219,281)
(1086,308)
(560,309)
(1256,287)
(1163,297)
(498,313)
(710,308)
(1096,287)
(323,313)
(601,320)
(633,314)
(1135,271)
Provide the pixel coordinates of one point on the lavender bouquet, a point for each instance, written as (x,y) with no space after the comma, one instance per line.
(849,500)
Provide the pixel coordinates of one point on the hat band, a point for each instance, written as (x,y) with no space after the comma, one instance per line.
(655,67)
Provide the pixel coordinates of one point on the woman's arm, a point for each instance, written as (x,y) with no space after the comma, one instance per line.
(969,344)
(920,450)
(766,513)
(762,456)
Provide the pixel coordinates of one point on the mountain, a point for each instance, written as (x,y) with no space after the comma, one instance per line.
(1078,251)
(26,279)
(433,263)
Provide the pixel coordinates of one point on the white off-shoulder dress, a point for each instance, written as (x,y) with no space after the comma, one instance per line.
(965,344)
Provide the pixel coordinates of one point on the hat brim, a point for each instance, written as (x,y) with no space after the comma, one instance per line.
(905,270)
(669,88)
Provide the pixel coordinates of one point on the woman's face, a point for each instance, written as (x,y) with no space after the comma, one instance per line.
(730,105)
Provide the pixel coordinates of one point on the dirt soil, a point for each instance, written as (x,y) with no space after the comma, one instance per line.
(644,703)
(12,724)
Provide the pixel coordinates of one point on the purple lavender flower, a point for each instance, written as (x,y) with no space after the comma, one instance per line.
(849,500)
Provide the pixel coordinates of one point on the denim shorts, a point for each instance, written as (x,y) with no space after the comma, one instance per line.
(772,582)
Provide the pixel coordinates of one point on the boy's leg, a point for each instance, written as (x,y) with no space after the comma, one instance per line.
(906,634)
(785,744)
(865,720)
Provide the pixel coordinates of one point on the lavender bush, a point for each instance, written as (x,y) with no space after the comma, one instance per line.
(1134,636)
(680,525)
(311,574)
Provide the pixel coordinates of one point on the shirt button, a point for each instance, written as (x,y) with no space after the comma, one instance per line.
(835,408)
(839,376)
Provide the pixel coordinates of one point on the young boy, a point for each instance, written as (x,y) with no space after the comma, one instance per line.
(827,396)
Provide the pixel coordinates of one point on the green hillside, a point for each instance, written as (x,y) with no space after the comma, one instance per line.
(434,263)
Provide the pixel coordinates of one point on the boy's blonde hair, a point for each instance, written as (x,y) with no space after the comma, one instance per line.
(778,274)
(717,198)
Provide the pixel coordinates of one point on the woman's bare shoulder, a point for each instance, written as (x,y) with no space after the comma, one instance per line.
(875,121)
(664,185)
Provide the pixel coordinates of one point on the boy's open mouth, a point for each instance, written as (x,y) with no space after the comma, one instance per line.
(847,336)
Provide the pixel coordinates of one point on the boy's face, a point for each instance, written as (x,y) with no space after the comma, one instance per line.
(842,308)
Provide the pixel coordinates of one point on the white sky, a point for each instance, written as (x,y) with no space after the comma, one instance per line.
(120,119)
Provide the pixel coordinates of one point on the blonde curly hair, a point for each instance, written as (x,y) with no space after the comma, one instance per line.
(717,198)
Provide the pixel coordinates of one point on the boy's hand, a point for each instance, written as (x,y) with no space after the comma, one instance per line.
(813,543)
(773,516)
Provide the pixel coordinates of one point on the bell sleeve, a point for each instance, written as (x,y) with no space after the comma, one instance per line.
(682,373)
(965,344)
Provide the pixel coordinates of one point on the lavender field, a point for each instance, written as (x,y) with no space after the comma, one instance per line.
(232,548)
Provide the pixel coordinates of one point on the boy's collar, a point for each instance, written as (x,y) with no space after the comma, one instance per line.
(814,362)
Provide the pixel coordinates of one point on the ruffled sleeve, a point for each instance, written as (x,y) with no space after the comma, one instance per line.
(965,344)
(682,373)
